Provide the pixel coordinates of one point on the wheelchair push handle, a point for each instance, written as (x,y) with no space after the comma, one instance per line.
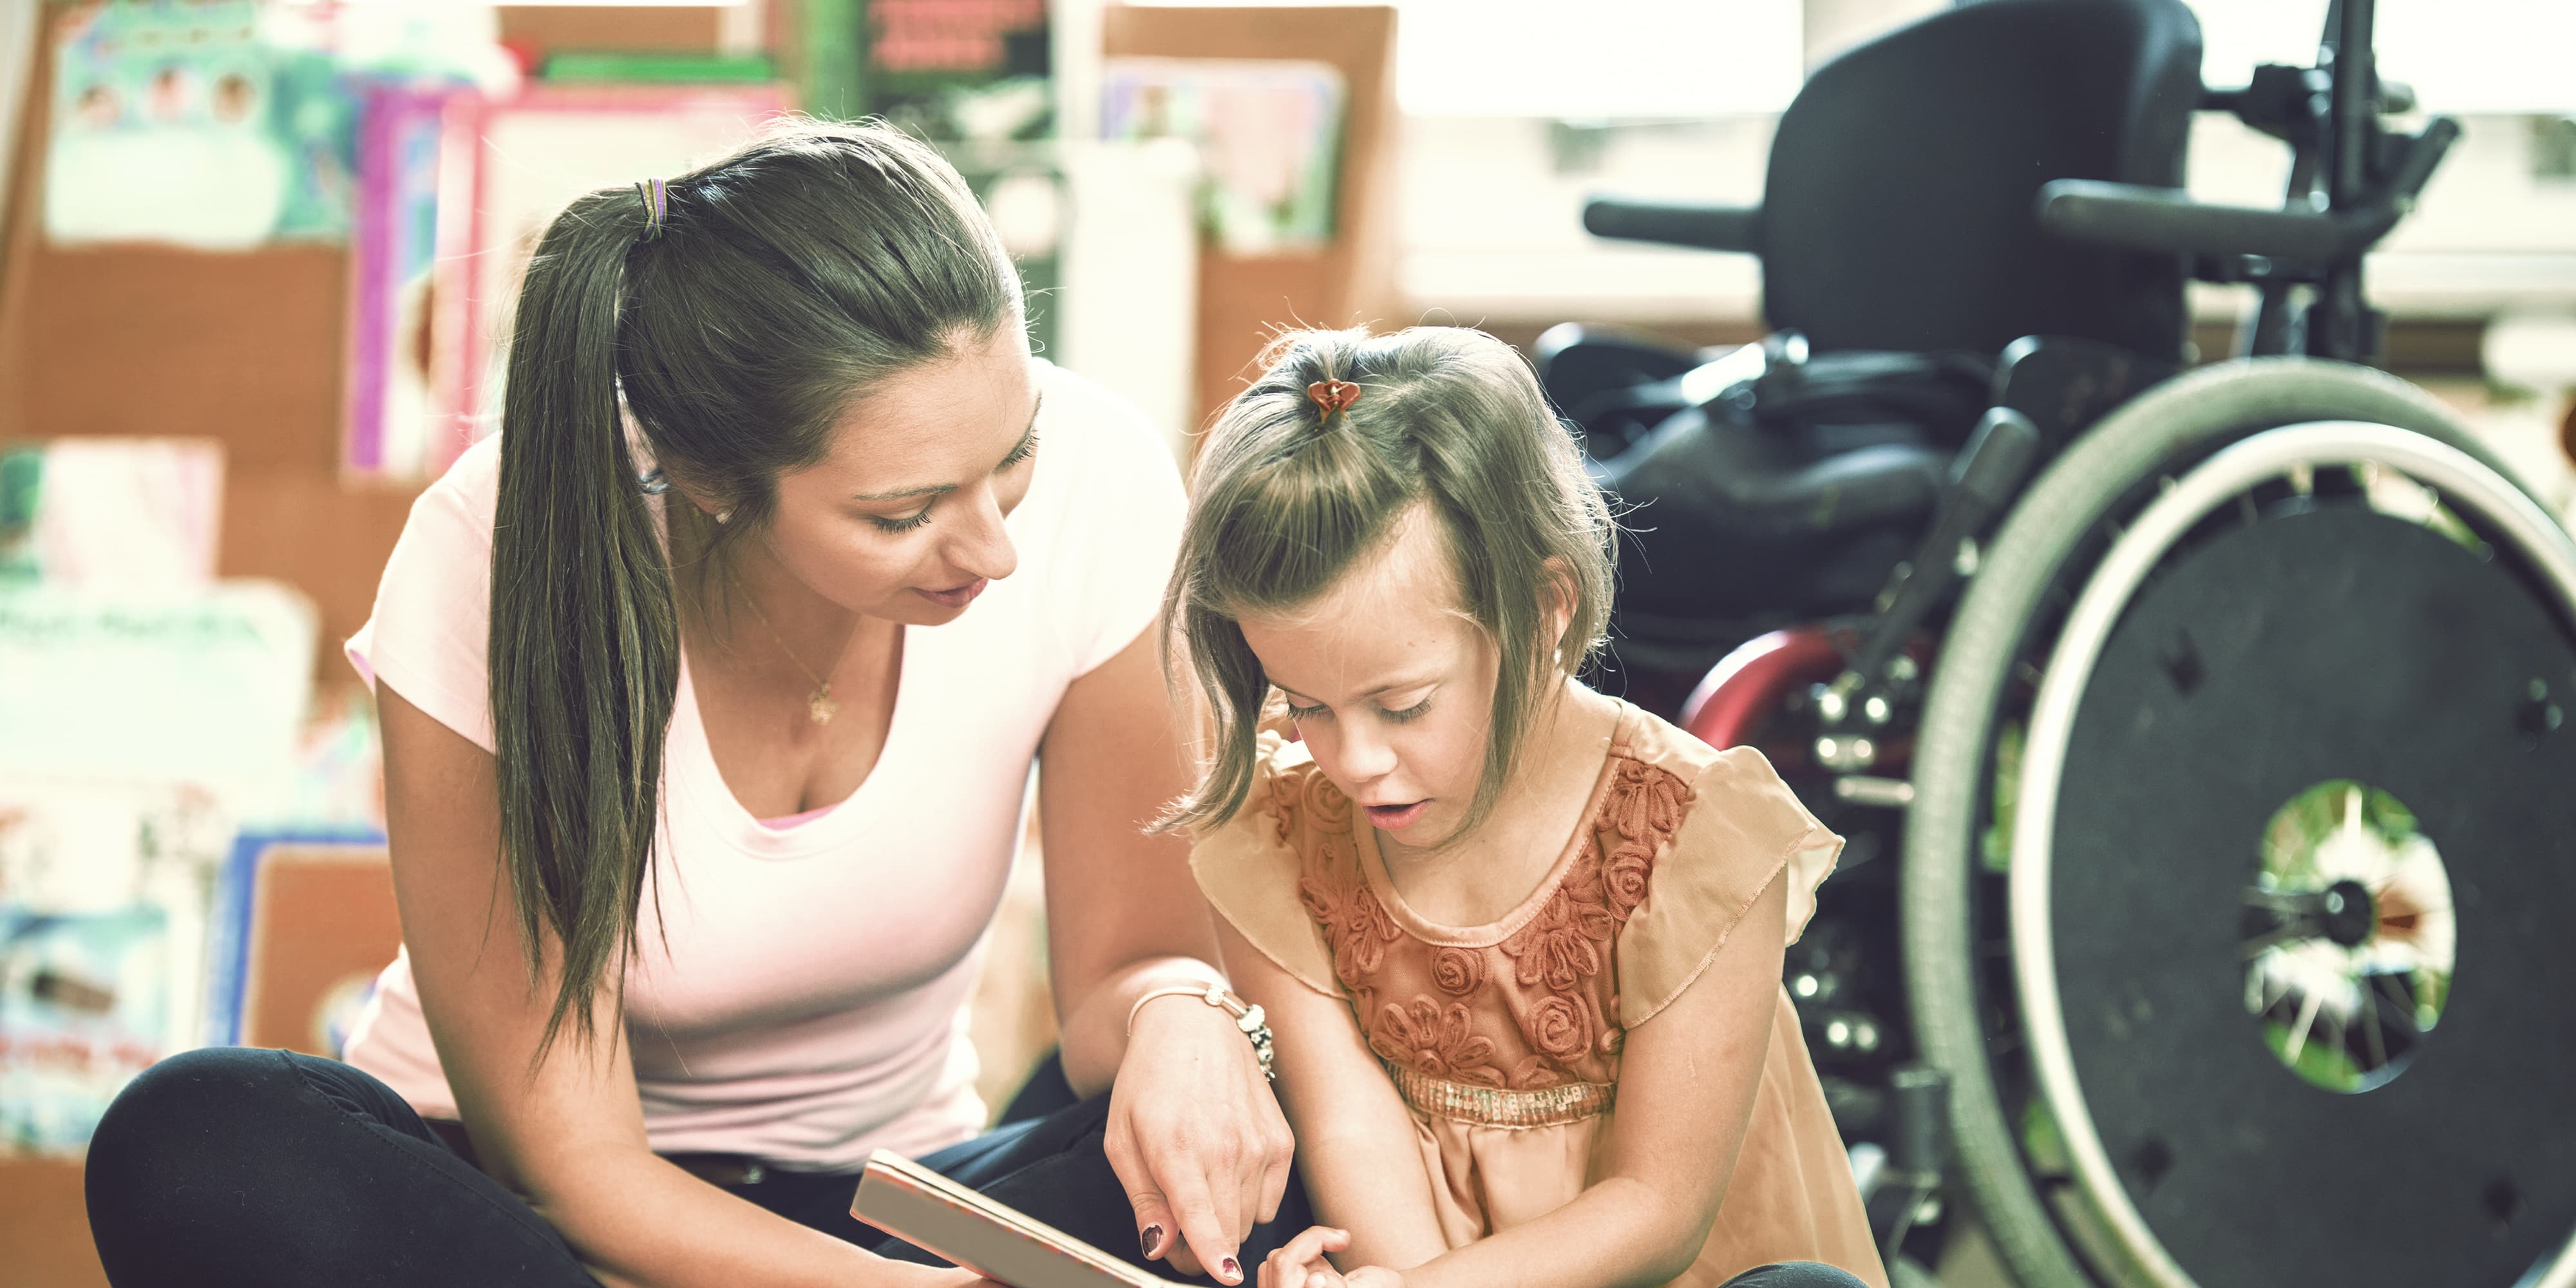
(1699,225)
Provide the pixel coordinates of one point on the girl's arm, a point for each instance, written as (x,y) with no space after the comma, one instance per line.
(1687,1082)
(1356,1139)
(1194,1133)
(565,1131)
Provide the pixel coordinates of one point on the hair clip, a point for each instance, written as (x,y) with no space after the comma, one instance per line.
(1333,395)
(656,197)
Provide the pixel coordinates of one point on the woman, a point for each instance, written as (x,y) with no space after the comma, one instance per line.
(702,779)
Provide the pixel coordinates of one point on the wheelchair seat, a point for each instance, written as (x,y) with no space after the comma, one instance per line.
(1898,222)
(1743,521)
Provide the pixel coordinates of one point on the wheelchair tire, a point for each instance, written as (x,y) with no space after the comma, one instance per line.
(2048,548)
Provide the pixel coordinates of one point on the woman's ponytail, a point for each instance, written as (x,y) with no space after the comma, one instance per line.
(584,648)
(736,311)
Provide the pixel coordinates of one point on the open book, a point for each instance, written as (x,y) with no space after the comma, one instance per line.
(930,1211)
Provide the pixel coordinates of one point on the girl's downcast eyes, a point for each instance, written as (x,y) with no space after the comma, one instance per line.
(1413,712)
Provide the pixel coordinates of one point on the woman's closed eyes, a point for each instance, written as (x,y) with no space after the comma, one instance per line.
(1021,454)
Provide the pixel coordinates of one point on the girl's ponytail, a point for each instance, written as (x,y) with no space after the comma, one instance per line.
(584,647)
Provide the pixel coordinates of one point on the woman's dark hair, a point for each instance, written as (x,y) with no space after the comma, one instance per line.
(738,321)
(1287,495)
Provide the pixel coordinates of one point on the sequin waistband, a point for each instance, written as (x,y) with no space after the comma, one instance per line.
(1496,1107)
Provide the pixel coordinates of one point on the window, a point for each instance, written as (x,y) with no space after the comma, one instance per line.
(2460,55)
(1595,59)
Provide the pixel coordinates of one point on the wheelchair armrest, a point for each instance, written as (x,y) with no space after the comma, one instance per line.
(2168,219)
(1675,223)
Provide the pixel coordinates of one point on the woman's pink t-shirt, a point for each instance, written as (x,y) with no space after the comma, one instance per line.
(800,992)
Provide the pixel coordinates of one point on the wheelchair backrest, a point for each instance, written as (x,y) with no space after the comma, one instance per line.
(1899,211)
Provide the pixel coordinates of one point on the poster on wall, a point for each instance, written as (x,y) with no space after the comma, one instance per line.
(1268,134)
(396,367)
(84,998)
(208,688)
(174,121)
(103,928)
(517,163)
(955,70)
(100,512)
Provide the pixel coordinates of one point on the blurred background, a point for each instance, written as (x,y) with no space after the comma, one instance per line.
(253,255)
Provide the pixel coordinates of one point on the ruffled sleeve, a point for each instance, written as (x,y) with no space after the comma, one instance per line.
(1743,826)
(1249,869)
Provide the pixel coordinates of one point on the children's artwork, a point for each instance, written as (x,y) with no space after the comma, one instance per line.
(103,895)
(84,1000)
(531,155)
(959,69)
(20,23)
(94,845)
(137,513)
(1268,134)
(207,688)
(393,363)
(174,122)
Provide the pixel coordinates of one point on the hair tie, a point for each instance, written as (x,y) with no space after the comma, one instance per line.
(656,199)
(1333,396)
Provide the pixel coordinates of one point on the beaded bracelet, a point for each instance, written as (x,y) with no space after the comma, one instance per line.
(1247,1017)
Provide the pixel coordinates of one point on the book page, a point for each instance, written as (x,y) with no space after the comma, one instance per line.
(992,1239)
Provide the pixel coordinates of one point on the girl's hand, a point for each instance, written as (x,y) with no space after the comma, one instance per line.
(1196,1137)
(1300,1263)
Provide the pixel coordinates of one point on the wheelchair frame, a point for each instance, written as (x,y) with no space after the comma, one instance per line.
(2194,442)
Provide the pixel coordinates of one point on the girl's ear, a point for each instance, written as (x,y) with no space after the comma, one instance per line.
(1274,715)
(1560,602)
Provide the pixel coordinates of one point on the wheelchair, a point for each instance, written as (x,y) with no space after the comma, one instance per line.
(2198,733)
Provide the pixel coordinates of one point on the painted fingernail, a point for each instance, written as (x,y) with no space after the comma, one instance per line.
(1152,1241)
(1233,1269)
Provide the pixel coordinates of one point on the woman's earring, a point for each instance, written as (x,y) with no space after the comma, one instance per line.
(725,515)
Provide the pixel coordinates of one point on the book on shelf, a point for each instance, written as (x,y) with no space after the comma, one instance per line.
(994,1240)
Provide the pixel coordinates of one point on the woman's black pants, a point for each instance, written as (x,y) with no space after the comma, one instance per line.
(241,1166)
(236,1165)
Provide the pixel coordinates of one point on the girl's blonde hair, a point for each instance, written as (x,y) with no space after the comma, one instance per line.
(1287,494)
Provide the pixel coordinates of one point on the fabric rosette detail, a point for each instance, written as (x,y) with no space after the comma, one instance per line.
(1560,1028)
(1458,971)
(1434,1040)
(1645,802)
(1627,877)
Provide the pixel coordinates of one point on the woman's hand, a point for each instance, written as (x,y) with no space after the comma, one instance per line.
(1196,1137)
(1300,1263)
(945,1277)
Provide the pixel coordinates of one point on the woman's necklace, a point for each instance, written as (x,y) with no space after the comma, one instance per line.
(820,706)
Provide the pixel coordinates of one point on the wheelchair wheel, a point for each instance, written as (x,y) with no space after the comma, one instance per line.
(2242,750)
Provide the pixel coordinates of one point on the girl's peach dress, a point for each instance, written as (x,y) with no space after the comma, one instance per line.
(1504,1039)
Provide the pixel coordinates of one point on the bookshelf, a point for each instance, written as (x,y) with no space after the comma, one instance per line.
(1243,301)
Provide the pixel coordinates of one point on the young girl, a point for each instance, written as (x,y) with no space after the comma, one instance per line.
(1520,942)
